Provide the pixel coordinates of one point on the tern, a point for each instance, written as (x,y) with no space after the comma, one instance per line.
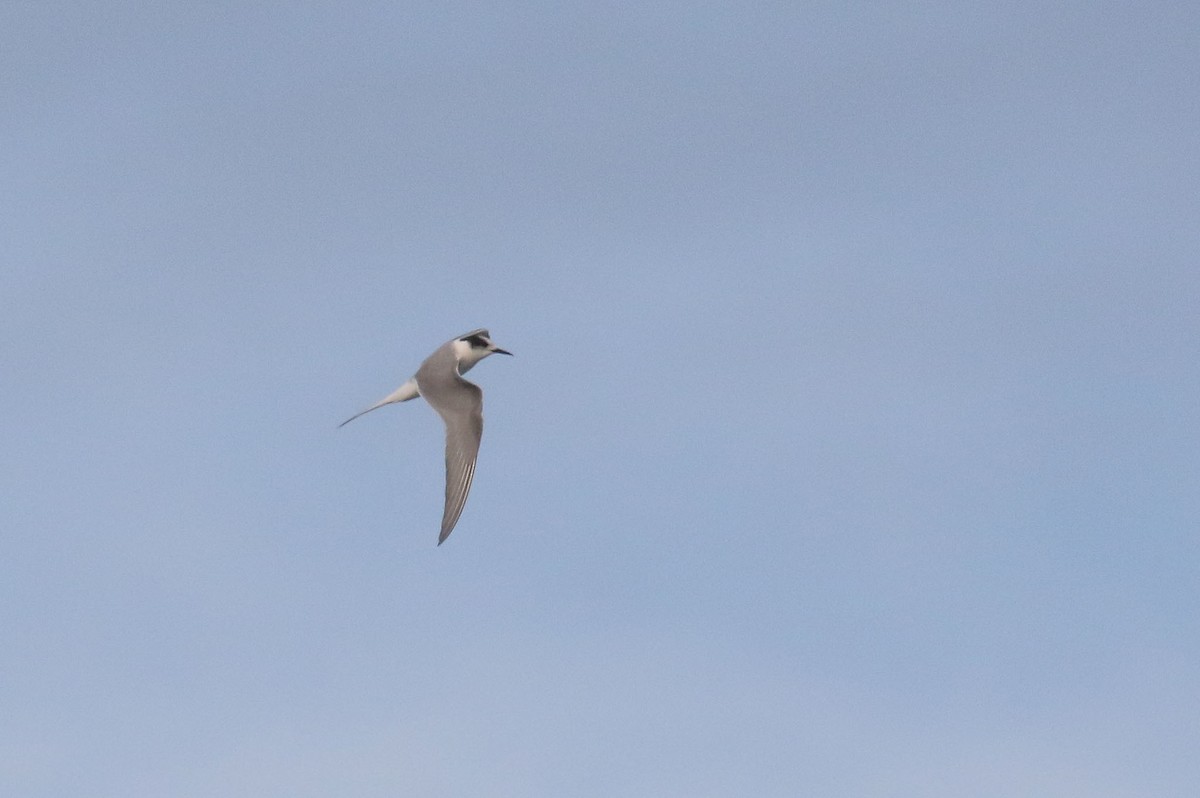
(459,403)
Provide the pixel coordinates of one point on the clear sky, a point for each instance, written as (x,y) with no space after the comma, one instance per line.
(849,448)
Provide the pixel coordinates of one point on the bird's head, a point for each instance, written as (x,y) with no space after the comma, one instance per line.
(473,347)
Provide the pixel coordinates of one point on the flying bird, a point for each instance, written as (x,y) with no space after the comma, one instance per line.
(459,403)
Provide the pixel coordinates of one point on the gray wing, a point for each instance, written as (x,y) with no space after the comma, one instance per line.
(402,394)
(460,404)
(463,433)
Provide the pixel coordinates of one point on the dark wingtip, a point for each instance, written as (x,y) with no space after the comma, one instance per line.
(356,415)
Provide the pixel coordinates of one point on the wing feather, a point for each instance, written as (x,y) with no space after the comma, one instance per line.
(460,404)
(463,434)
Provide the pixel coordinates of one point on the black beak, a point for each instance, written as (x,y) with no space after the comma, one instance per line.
(500,351)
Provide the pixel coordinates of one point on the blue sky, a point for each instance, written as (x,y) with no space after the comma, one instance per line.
(849,449)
